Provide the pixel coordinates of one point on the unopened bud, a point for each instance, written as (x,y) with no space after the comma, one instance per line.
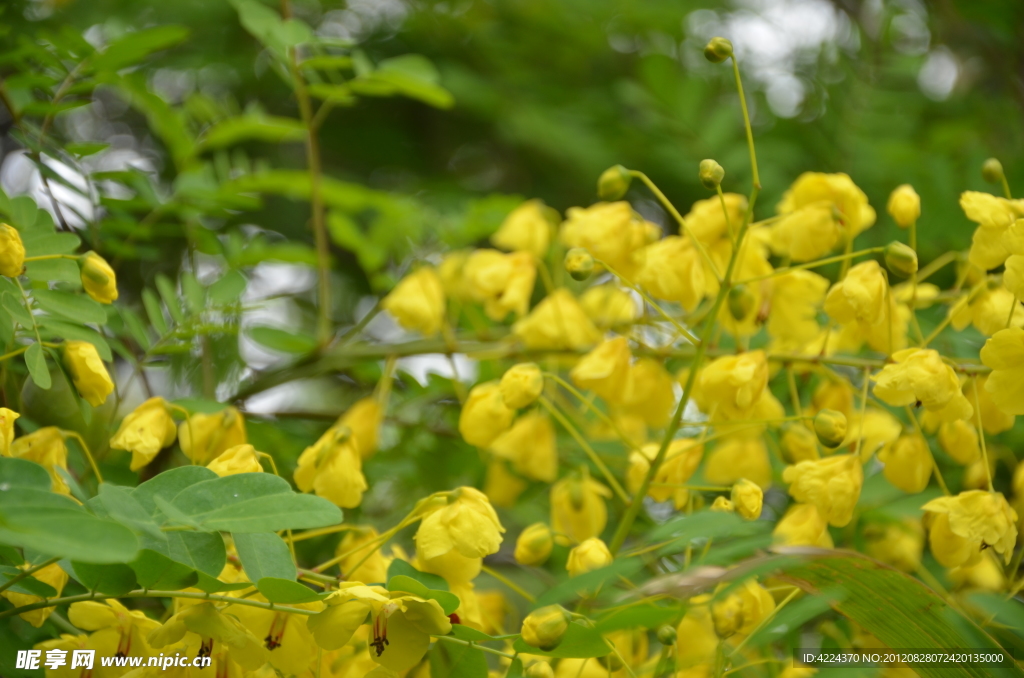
(830,427)
(727,615)
(521,385)
(904,205)
(544,628)
(722,505)
(992,171)
(613,183)
(741,302)
(579,263)
(718,50)
(900,259)
(98,278)
(539,670)
(711,174)
(667,634)
(534,545)
(747,499)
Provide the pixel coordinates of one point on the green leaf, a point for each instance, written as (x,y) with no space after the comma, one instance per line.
(40,243)
(449,602)
(156,571)
(287,591)
(282,340)
(328,62)
(579,642)
(170,296)
(168,484)
(154,311)
(272,129)
(28,586)
(448,660)
(463,632)
(23,212)
(16,472)
(194,292)
(85,149)
(37,369)
(254,502)
(213,585)
(133,47)
(228,288)
(268,27)
(50,327)
(429,581)
(646,615)
(411,75)
(115,579)
(264,554)
(119,503)
(17,310)
(201,551)
(54,270)
(571,588)
(77,307)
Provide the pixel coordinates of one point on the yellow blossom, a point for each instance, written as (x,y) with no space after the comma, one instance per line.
(332,468)
(450,273)
(747,497)
(993,419)
(211,433)
(984,575)
(484,415)
(696,632)
(534,545)
(739,456)
(648,393)
(46,447)
(503,283)
(527,228)
(453,566)
(1004,353)
(878,429)
(796,298)
(808,233)
(363,420)
(611,231)
(494,607)
(994,217)
(832,484)
(417,302)
(709,223)
(908,463)
(609,306)
(12,252)
(722,505)
(88,371)
(682,458)
(591,554)
(557,323)
(55,576)
(7,418)
(237,459)
(213,628)
(896,543)
(604,370)
(372,565)
(578,508)
(987,309)
(467,524)
(859,297)
(920,376)
(673,270)
(730,386)
(904,205)
(530,447)
(798,443)
(98,278)
(521,385)
(833,394)
(501,485)
(145,431)
(545,627)
(855,214)
(128,628)
(965,524)
(960,440)
(802,526)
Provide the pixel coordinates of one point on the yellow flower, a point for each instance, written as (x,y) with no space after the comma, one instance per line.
(747,497)
(673,270)
(709,223)
(855,214)
(859,297)
(1004,353)
(374,568)
(796,298)
(798,443)
(604,370)
(994,217)
(830,428)
(503,283)
(591,554)
(237,459)
(904,205)
(608,306)
(802,526)
(696,633)
(611,231)
(896,543)
(214,628)
(808,233)
(722,505)
(521,385)
(467,524)
(211,433)
(332,468)
(530,446)
(557,323)
(418,302)
(833,394)
(993,419)
(832,484)
(739,456)
(960,440)
(534,545)
(12,252)
(7,418)
(985,575)
(527,228)
(484,415)
(98,278)
(578,509)
(545,627)
(681,459)
(68,643)
(46,447)
(450,272)
(969,522)
(129,627)
(363,420)
(494,607)
(878,428)
(920,376)
(987,309)
(146,431)
(731,386)
(87,371)
(742,610)
(501,485)
(908,463)
(453,566)
(648,393)
(55,576)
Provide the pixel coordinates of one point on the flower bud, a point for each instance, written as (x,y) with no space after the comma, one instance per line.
(12,252)
(830,427)
(741,301)
(727,616)
(900,259)
(992,171)
(539,670)
(98,278)
(88,372)
(534,545)
(747,498)
(521,385)
(904,205)
(711,174)
(722,505)
(579,263)
(613,183)
(591,555)
(718,50)
(667,635)
(544,628)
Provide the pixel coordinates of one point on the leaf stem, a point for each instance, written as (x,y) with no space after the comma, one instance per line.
(509,583)
(26,574)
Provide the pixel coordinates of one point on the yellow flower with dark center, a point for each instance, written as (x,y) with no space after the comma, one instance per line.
(855,214)
(521,385)
(214,629)
(145,431)
(237,459)
(45,446)
(832,484)
(128,627)
(286,637)
(591,554)
(802,525)
(908,463)
(333,469)
(55,576)
(467,524)
(418,302)
(203,437)
(557,323)
(484,415)
(534,545)
(673,270)
(920,376)
(682,458)
(578,510)
(503,283)
(527,228)
(530,447)
(88,371)
(7,418)
(12,252)
(970,522)
(604,370)
(98,278)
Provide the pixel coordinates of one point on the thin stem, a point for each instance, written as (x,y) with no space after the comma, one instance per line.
(26,574)
(85,449)
(509,583)
(46,257)
(948,319)
(746,123)
(981,437)
(608,421)
(1013,307)
(725,212)
(636,288)
(469,643)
